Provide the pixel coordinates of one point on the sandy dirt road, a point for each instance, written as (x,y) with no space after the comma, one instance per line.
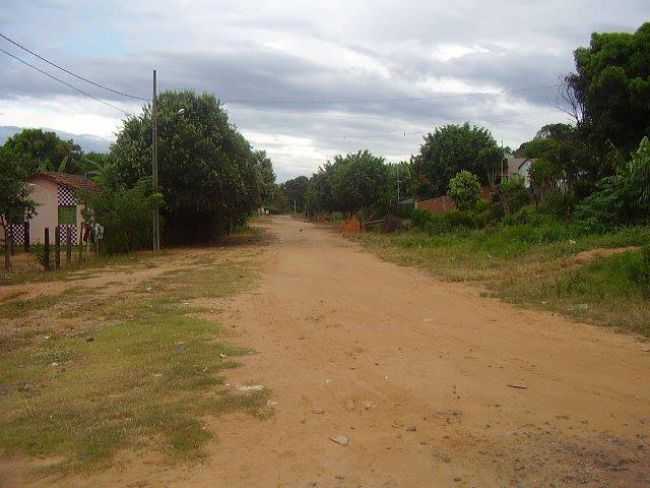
(415,373)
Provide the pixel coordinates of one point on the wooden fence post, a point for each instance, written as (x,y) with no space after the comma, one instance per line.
(57,247)
(46,249)
(26,236)
(11,239)
(81,244)
(7,251)
(68,246)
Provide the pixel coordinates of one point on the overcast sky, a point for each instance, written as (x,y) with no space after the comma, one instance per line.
(306,81)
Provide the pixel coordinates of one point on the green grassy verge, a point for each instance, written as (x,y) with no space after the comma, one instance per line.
(536,266)
(146,372)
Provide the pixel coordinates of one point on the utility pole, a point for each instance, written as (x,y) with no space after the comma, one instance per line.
(154,162)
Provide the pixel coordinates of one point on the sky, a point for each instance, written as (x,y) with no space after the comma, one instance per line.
(307,80)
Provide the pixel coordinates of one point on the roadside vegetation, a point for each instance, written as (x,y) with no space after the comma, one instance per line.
(551,266)
(562,222)
(114,366)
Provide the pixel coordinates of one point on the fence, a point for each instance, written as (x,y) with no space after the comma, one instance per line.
(49,253)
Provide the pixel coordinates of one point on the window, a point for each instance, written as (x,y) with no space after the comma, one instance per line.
(68,215)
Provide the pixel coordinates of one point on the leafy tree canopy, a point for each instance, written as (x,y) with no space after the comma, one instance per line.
(465,190)
(350,183)
(14,193)
(610,90)
(44,151)
(295,190)
(210,177)
(451,149)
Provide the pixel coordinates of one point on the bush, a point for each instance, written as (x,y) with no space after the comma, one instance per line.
(38,250)
(513,195)
(558,203)
(641,273)
(126,216)
(456,220)
(465,190)
(620,199)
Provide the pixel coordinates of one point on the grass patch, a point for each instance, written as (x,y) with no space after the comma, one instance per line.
(147,373)
(87,269)
(535,265)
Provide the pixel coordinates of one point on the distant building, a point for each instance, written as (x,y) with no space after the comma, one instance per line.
(517,166)
(57,203)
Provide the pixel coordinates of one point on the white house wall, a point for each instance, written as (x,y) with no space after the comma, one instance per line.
(44,193)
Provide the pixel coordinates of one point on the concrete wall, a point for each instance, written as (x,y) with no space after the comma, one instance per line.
(44,193)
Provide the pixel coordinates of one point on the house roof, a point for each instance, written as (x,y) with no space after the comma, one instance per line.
(515,164)
(77,182)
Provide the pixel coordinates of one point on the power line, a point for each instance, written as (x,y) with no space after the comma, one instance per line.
(115,107)
(79,77)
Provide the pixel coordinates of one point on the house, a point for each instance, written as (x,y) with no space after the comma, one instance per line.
(517,166)
(57,204)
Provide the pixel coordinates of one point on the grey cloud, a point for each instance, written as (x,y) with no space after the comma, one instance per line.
(529,48)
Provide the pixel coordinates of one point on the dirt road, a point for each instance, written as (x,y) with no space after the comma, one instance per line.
(432,385)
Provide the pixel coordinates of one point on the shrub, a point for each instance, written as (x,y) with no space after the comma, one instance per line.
(641,273)
(126,216)
(465,190)
(513,194)
(623,198)
(558,203)
(38,250)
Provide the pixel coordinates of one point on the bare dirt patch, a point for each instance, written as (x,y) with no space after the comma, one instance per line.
(588,256)
(414,373)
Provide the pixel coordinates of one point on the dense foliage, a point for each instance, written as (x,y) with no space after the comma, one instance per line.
(350,183)
(295,190)
(39,150)
(15,203)
(464,190)
(210,177)
(126,216)
(513,195)
(623,198)
(610,91)
(451,149)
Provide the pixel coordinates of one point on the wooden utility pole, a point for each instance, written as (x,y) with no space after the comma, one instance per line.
(154,162)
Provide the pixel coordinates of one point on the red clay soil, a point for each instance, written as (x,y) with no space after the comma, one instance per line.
(430,384)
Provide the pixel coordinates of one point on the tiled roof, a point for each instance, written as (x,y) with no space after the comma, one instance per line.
(515,164)
(73,181)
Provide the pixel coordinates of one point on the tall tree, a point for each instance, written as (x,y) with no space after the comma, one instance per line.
(562,155)
(350,183)
(609,94)
(45,151)
(15,204)
(451,149)
(295,190)
(210,177)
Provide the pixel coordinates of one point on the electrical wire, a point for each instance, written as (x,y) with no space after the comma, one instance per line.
(79,77)
(49,75)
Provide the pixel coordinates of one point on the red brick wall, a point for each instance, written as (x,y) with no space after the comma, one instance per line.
(445,204)
(438,205)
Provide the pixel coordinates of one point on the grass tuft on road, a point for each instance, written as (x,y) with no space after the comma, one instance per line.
(146,372)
